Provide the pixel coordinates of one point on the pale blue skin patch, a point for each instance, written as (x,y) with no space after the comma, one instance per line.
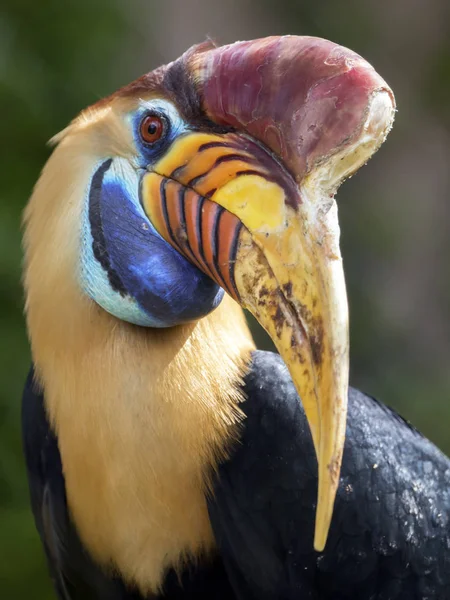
(126,266)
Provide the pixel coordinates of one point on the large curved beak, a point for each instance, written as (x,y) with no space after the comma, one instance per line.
(255,211)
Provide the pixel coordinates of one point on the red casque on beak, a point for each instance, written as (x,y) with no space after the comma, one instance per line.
(305,98)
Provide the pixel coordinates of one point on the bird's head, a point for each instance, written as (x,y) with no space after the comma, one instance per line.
(216,174)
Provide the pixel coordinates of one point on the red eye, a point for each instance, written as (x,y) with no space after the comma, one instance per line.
(152,128)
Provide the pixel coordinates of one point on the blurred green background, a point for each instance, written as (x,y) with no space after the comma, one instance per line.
(57,57)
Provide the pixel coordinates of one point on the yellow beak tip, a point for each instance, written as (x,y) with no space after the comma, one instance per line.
(319,541)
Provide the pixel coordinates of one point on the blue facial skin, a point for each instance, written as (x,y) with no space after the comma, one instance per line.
(126,266)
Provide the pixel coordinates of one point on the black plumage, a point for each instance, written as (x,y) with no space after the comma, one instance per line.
(390,534)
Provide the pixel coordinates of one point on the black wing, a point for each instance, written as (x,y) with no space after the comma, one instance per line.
(390,534)
(75,576)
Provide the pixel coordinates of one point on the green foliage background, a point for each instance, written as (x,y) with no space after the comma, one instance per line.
(57,57)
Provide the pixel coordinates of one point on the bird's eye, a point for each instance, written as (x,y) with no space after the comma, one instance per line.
(152,128)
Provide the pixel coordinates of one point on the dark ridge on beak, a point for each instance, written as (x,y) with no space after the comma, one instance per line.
(179,85)
(305,98)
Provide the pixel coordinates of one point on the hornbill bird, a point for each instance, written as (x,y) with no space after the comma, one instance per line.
(167,458)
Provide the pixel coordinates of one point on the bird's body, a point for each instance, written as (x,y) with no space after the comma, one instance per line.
(167,458)
(389,537)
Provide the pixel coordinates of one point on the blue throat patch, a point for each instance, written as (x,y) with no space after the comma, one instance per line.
(127,267)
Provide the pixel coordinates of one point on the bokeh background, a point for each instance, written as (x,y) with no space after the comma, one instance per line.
(57,57)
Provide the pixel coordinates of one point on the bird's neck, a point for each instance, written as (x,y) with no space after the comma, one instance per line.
(142,417)
(108,372)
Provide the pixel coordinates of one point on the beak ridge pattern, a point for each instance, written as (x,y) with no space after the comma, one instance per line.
(200,229)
